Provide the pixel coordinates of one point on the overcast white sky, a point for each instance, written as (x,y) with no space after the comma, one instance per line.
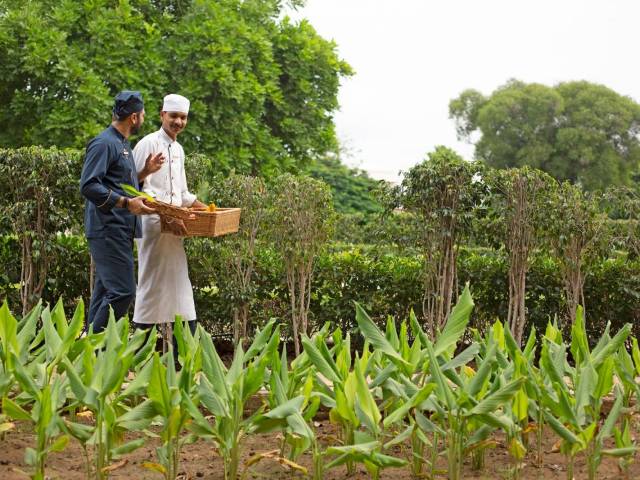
(412,57)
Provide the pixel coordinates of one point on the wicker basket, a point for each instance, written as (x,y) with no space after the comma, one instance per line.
(206,224)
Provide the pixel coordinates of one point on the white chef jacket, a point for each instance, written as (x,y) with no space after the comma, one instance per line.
(169,184)
(164,289)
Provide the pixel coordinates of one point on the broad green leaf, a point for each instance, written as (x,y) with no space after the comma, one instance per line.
(635,352)
(288,408)
(132,192)
(24,378)
(605,379)
(80,431)
(14,411)
(373,334)
(400,412)
(344,406)
(53,341)
(521,405)
(260,340)
(579,342)
(391,334)
(484,371)
(444,392)
(365,400)
(612,346)
(318,360)
(211,400)
(77,387)
(417,330)
(619,452)
(462,358)
(560,429)
(456,323)
(139,417)
(30,457)
(587,379)
(400,438)
(213,368)
(610,422)
(497,399)
(8,331)
(59,444)
(127,447)
(158,390)
(386,461)
(139,384)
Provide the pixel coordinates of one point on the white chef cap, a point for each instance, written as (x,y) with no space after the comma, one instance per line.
(175,103)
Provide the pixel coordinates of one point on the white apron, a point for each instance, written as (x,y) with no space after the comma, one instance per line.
(164,288)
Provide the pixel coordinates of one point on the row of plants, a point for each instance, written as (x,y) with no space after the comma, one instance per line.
(383,281)
(401,400)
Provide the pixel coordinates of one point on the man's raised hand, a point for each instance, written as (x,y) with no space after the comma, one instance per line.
(152,164)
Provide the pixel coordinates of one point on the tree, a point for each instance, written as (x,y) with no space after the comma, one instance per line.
(577,234)
(262,88)
(518,215)
(444,193)
(39,196)
(576,131)
(239,250)
(301,222)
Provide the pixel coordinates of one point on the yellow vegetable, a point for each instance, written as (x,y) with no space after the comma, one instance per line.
(211,207)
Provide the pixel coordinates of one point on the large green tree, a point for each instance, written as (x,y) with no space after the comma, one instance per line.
(576,131)
(263,88)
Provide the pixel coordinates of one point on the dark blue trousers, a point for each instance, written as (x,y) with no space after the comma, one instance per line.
(115,283)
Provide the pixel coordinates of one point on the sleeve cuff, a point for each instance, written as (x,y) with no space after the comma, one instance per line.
(188,199)
(111,201)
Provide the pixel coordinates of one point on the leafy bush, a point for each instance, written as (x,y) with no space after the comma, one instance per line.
(385,283)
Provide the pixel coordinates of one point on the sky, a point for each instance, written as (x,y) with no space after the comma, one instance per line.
(412,57)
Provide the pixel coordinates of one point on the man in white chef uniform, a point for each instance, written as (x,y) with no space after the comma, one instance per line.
(164,288)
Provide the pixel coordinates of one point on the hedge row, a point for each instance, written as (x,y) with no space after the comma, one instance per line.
(384,283)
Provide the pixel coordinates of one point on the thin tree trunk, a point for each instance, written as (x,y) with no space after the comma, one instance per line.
(291,282)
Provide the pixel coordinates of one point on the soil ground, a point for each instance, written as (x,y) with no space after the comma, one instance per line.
(200,461)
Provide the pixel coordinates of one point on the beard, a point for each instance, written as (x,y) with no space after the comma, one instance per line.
(135,128)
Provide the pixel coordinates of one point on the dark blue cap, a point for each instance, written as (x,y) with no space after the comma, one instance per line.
(126,103)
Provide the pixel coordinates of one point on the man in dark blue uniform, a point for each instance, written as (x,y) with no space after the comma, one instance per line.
(110,217)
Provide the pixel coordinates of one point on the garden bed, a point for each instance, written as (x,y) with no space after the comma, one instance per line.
(200,460)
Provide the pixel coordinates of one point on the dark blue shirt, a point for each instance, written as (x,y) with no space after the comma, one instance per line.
(108,163)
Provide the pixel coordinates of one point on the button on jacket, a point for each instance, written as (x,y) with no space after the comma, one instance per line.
(169,184)
(108,163)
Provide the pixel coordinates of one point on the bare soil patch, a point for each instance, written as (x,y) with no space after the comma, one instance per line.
(201,461)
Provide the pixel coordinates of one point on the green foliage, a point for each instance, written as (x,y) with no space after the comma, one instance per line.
(384,283)
(352,189)
(444,193)
(518,217)
(239,250)
(445,398)
(39,199)
(578,232)
(224,392)
(245,68)
(302,220)
(578,131)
